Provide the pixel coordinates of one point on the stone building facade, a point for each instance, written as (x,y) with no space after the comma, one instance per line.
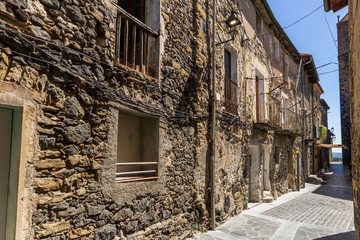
(314,115)
(354,83)
(354,67)
(344,86)
(325,153)
(105,115)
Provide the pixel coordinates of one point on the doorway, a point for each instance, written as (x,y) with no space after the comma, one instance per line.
(254,174)
(10,128)
(260,113)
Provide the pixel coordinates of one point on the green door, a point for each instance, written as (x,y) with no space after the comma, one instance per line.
(6,120)
(10,141)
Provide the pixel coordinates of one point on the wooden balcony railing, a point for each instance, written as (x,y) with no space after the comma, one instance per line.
(231,101)
(269,114)
(132,42)
(291,121)
(274,108)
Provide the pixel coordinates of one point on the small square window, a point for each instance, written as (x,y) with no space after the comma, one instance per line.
(277,49)
(137,148)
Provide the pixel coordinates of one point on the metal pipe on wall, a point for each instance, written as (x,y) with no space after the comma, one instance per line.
(298,165)
(303,126)
(213,125)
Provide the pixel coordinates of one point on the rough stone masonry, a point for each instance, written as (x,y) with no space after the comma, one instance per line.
(57,64)
(60,53)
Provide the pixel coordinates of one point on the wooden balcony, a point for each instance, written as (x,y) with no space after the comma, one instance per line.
(231,101)
(292,122)
(273,119)
(133,39)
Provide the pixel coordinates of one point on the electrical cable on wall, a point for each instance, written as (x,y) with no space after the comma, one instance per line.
(129,101)
(74,51)
(181,114)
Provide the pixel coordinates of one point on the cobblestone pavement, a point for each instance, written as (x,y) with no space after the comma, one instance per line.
(316,212)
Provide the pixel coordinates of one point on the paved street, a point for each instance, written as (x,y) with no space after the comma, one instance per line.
(316,212)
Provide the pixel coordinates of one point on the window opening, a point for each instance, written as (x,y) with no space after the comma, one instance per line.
(230,83)
(134,38)
(285,69)
(138,144)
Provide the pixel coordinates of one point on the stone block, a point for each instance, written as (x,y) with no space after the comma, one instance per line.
(78,160)
(123,214)
(48,184)
(4,64)
(51,228)
(73,108)
(79,232)
(52,198)
(99,16)
(40,33)
(14,73)
(50,163)
(78,134)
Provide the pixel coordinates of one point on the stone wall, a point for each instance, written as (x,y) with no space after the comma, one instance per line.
(72,181)
(283,170)
(59,56)
(354,36)
(79,91)
(343,58)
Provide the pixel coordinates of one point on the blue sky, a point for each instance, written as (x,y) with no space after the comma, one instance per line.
(312,35)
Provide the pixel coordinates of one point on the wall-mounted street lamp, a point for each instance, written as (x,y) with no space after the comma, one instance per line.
(231,22)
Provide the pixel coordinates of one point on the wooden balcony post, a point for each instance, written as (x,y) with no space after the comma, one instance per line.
(146,52)
(126,42)
(141,50)
(118,38)
(133,46)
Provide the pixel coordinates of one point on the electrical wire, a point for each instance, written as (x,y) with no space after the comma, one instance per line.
(307,15)
(326,64)
(328,72)
(96,60)
(129,101)
(182,114)
(74,51)
(327,23)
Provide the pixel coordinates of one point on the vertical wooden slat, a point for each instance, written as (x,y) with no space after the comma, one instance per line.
(133,46)
(118,38)
(126,42)
(146,53)
(141,50)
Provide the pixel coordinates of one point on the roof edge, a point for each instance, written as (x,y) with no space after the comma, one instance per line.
(279,28)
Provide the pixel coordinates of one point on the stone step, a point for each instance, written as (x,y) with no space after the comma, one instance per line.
(268,199)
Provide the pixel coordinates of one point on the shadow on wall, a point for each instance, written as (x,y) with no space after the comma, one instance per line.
(345,235)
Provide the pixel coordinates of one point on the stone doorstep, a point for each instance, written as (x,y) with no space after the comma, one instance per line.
(253,204)
(268,199)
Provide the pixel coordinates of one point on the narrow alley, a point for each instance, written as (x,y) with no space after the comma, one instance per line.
(316,212)
(165,119)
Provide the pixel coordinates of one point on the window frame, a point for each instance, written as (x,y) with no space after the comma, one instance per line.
(147,168)
(230,81)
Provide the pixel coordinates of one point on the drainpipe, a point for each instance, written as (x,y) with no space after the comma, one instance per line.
(298,185)
(213,125)
(303,127)
(313,128)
